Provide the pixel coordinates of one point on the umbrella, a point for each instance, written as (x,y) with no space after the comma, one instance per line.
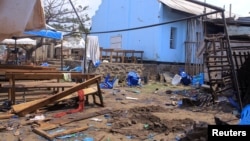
(72,43)
(47,33)
(15,42)
(22,41)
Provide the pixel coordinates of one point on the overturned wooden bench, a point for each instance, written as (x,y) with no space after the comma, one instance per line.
(28,107)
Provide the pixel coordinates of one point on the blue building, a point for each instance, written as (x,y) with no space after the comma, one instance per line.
(153,26)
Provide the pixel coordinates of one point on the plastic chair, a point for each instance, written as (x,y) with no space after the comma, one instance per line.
(77,69)
(107,84)
(245,116)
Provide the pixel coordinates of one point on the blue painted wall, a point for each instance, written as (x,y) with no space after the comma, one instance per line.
(154,41)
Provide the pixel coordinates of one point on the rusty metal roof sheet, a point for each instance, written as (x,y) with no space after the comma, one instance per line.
(192,8)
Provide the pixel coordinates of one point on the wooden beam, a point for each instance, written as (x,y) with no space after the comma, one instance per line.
(58,96)
(6,115)
(19,107)
(28,67)
(43,134)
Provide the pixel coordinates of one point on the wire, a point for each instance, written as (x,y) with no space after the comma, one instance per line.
(148,26)
(77,15)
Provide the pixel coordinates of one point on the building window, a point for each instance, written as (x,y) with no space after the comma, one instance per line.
(173,38)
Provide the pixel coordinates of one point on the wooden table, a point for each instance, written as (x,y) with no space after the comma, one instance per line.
(13,76)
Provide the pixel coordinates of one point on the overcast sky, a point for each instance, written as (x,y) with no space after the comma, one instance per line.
(241,7)
(93,6)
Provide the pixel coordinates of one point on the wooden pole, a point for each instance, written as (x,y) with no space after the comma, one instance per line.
(85,54)
(61,55)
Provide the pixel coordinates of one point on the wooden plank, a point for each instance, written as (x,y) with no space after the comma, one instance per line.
(19,107)
(87,91)
(40,85)
(3,71)
(25,70)
(85,116)
(6,116)
(47,126)
(26,67)
(45,76)
(58,96)
(43,134)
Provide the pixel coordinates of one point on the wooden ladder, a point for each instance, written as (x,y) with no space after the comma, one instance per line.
(219,66)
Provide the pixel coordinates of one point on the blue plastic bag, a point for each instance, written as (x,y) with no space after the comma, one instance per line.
(133,79)
(245,116)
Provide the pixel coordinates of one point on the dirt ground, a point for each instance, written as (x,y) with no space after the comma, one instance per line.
(153,112)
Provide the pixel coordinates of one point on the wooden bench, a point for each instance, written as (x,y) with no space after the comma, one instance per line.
(28,107)
(4,69)
(14,76)
(24,86)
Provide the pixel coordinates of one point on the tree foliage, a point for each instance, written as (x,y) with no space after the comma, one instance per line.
(61,15)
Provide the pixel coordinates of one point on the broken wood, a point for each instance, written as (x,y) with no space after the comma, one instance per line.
(85,116)
(51,137)
(101,138)
(47,126)
(60,122)
(34,106)
(43,134)
(6,116)
(41,130)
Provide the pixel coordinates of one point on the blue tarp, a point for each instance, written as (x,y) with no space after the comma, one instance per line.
(47,33)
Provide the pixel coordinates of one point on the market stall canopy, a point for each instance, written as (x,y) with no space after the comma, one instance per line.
(72,43)
(22,41)
(17,16)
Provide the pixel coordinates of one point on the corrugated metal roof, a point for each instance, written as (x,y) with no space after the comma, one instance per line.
(192,8)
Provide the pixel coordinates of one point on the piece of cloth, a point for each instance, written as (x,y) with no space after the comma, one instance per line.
(79,109)
(67,77)
(93,50)
(17,16)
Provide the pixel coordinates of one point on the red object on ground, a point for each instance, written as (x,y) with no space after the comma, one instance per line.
(79,109)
